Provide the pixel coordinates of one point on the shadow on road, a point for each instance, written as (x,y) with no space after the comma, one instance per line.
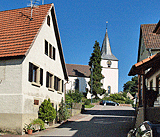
(105,123)
(111,112)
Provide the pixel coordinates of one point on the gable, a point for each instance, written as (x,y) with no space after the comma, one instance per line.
(149,41)
(19,31)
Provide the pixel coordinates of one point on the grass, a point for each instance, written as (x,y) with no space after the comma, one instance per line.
(89,106)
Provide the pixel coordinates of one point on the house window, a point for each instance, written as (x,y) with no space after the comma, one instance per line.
(62,85)
(151,84)
(35,74)
(54,53)
(77,84)
(109,89)
(36,102)
(57,83)
(48,20)
(50,50)
(49,80)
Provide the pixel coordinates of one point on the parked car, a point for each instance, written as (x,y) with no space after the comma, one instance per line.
(106,102)
(146,129)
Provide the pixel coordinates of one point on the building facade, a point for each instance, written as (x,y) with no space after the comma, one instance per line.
(109,65)
(32,65)
(79,76)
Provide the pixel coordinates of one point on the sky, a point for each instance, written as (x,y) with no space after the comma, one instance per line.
(82,22)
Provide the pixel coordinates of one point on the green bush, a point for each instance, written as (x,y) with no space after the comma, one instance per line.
(74,96)
(128,101)
(46,111)
(119,98)
(87,102)
(63,113)
(39,122)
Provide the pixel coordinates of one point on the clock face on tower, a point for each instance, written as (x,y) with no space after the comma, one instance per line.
(109,63)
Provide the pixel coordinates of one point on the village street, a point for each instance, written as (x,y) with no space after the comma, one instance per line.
(107,121)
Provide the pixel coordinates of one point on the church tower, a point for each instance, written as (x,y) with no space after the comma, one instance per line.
(109,65)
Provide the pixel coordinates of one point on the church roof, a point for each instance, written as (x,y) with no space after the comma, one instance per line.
(106,52)
(78,70)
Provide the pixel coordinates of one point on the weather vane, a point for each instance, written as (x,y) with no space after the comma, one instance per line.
(106,24)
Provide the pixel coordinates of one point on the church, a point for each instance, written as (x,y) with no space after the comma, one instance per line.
(79,74)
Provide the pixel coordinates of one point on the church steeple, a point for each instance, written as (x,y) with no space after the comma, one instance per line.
(106,52)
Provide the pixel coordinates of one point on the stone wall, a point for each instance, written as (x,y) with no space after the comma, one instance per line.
(76,109)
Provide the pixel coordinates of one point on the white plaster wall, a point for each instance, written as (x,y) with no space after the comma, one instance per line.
(113,65)
(153,77)
(111,76)
(37,55)
(10,86)
(83,84)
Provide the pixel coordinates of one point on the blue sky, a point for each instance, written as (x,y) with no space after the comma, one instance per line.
(82,22)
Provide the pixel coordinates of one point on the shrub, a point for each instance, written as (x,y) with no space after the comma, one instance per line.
(128,101)
(63,113)
(87,102)
(74,96)
(46,111)
(39,122)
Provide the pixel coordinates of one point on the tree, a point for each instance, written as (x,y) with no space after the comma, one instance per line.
(63,112)
(47,111)
(95,61)
(131,86)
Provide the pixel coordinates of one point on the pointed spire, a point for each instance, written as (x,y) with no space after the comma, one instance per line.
(106,48)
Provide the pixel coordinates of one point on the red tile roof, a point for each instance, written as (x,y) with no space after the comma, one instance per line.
(151,62)
(17,31)
(78,70)
(151,39)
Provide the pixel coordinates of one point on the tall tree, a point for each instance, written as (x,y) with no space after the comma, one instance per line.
(95,62)
(131,86)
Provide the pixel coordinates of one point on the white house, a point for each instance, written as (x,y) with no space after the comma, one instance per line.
(78,77)
(32,65)
(109,65)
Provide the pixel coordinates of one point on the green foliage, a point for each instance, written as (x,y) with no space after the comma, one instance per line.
(29,126)
(131,86)
(95,60)
(63,113)
(39,122)
(87,102)
(73,97)
(119,98)
(89,106)
(128,101)
(46,111)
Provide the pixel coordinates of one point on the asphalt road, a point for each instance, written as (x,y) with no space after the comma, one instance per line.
(101,121)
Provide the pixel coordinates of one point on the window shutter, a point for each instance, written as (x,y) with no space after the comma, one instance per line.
(54,53)
(47,79)
(46,47)
(55,83)
(41,76)
(30,78)
(62,85)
